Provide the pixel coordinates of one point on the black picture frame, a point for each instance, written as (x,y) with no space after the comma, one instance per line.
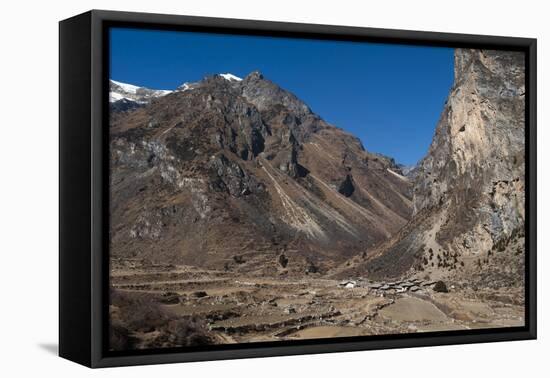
(83,195)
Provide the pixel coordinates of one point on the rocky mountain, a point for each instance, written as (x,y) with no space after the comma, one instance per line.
(242,175)
(469,190)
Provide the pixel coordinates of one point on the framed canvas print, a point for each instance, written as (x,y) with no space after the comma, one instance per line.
(233,188)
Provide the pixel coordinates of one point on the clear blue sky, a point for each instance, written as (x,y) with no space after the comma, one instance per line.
(390,96)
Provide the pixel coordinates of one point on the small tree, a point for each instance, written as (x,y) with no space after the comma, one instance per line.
(283,260)
(440,287)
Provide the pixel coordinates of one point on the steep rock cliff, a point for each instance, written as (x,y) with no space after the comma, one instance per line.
(469,190)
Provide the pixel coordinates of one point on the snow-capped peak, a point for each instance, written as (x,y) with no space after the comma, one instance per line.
(114,96)
(188,85)
(230,77)
(184,87)
(123,91)
(128,88)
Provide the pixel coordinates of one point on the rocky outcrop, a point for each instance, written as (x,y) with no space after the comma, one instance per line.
(229,176)
(267,96)
(469,190)
(346,187)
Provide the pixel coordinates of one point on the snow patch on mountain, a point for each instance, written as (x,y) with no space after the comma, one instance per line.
(230,77)
(129,92)
(114,96)
(184,87)
(128,88)
(142,95)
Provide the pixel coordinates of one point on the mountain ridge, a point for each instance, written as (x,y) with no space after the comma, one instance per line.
(250,148)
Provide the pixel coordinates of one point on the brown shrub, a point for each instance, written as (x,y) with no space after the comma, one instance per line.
(138,311)
(120,338)
(188,331)
(133,314)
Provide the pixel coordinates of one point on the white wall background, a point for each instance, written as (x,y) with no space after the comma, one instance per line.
(29,186)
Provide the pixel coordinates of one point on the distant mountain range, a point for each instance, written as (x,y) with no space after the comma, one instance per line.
(124,97)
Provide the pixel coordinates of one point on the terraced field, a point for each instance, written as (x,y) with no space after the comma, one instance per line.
(268,309)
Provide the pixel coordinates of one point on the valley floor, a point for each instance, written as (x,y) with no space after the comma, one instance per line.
(239,309)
